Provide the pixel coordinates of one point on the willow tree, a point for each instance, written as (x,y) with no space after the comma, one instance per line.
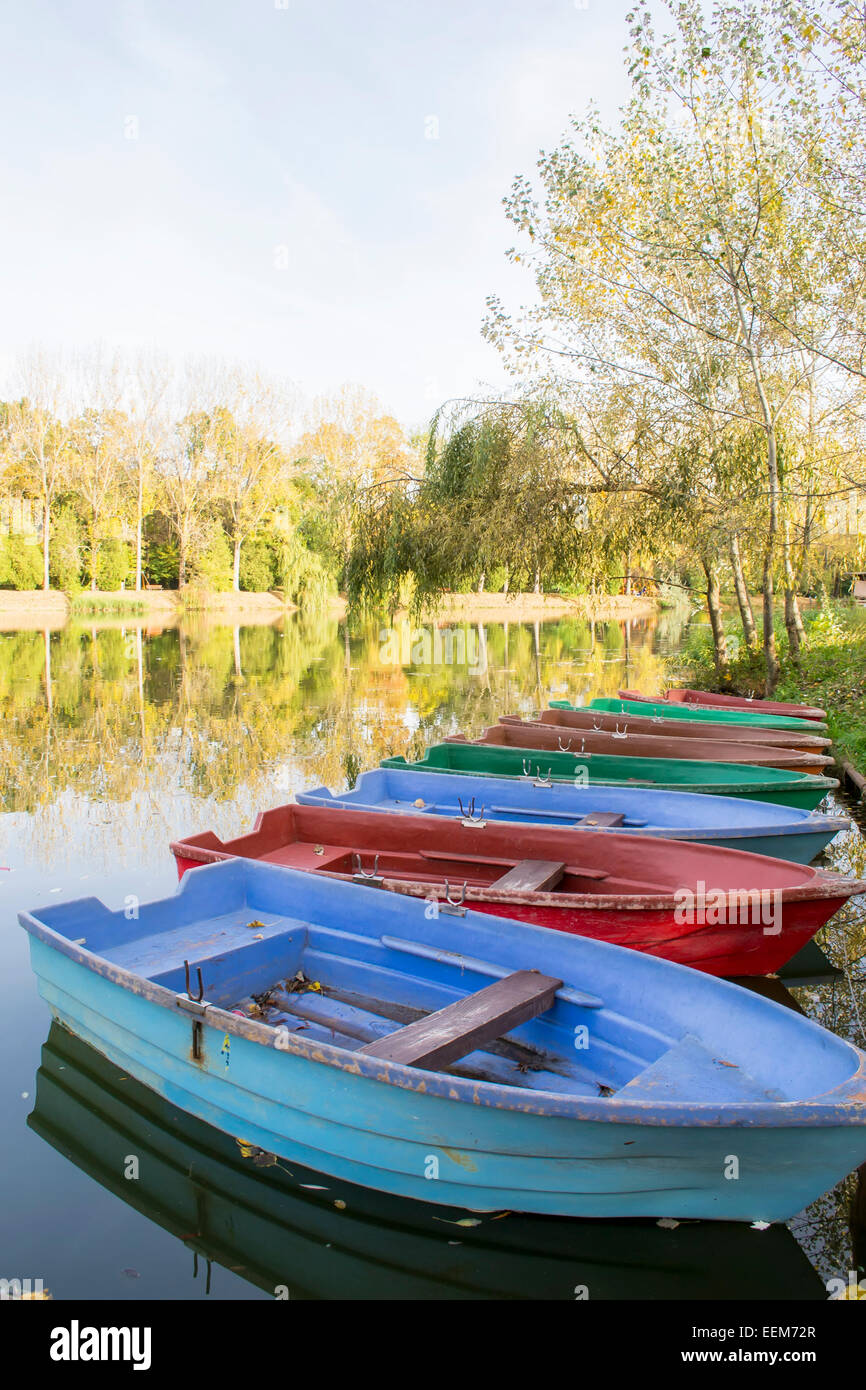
(351,452)
(669,250)
(521,487)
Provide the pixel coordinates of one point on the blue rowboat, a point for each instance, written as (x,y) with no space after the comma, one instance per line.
(328,1239)
(585,1080)
(762,827)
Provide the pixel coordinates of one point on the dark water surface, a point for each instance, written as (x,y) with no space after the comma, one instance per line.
(116,739)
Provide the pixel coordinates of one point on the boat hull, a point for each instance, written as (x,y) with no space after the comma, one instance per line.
(800,790)
(710,714)
(743,734)
(729,824)
(746,948)
(517,733)
(327,1239)
(711,700)
(356,1128)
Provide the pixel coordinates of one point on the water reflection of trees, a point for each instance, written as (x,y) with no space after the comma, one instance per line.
(116,739)
(134,730)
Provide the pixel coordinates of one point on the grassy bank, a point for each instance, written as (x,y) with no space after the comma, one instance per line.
(97,605)
(832,671)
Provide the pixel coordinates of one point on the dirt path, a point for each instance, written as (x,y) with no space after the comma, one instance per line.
(37,610)
(530,608)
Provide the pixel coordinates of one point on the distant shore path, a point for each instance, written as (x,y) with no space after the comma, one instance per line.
(34,609)
(532,608)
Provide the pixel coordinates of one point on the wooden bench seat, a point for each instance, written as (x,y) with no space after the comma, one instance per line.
(530,876)
(442,1037)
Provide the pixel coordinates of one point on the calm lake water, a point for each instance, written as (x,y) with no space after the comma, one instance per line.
(117,738)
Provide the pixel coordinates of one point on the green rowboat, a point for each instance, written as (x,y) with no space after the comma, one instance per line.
(670,774)
(662,710)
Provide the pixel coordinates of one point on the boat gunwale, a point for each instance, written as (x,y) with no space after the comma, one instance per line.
(824,884)
(786,759)
(783,722)
(694,728)
(723,699)
(810,823)
(787,781)
(844,1105)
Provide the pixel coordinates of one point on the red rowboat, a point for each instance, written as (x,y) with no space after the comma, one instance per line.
(713,700)
(518,733)
(685,728)
(720,910)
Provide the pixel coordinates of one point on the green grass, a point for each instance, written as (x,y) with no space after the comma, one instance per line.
(87,606)
(832,672)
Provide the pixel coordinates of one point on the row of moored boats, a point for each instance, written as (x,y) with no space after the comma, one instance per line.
(500,977)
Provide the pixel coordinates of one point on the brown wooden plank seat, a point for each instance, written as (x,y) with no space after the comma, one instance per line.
(525,879)
(443,1037)
(602,818)
(530,876)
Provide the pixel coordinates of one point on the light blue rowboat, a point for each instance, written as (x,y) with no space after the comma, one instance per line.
(641,1088)
(784,832)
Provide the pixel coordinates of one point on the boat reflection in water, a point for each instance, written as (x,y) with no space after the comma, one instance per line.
(253,1214)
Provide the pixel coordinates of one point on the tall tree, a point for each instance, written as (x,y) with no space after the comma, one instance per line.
(39,436)
(670,249)
(247,434)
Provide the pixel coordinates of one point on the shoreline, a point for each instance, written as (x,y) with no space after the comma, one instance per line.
(531,607)
(31,610)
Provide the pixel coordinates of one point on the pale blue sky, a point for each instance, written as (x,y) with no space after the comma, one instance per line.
(280,203)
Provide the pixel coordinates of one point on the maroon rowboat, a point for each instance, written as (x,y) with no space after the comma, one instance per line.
(719,910)
(684,728)
(713,700)
(518,733)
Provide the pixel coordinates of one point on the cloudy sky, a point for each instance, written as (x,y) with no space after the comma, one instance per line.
(313,186)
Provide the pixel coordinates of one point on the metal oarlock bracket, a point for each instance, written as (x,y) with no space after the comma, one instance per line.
(563,747)
(467,814)
(453,907)
(541,781)
(373,878)
(195,1004)
(621,733)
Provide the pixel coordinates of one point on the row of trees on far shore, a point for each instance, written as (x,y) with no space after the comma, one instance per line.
(127,471)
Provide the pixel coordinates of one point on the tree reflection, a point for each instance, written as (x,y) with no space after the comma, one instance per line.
(148,732)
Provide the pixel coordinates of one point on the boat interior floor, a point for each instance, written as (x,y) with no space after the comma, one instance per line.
(380,1028)
(412,1001)
(475,870)
(520,814)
